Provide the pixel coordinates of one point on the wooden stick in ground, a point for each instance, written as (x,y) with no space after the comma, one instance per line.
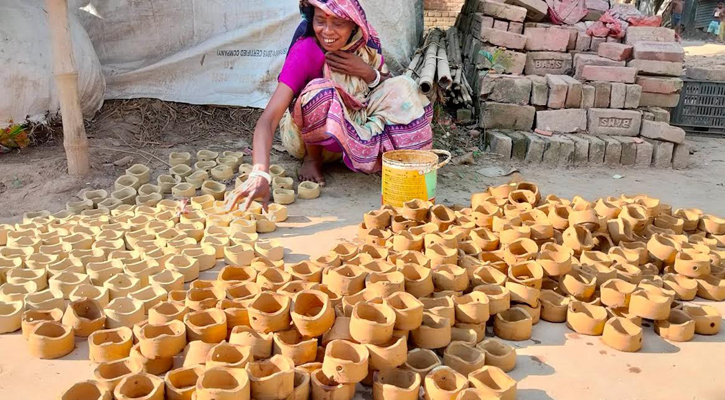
(428,73)
(75,141)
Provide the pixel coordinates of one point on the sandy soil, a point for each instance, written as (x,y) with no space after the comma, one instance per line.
(554,364)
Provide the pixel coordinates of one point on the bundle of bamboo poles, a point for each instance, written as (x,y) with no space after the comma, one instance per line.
(437,67)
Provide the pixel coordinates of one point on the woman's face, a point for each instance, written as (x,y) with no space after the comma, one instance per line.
(332,32)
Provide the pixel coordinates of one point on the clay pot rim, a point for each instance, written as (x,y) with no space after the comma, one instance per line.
(283,361)
(360,350)
(125,334)
(412,375)
(461,382)
(427,355)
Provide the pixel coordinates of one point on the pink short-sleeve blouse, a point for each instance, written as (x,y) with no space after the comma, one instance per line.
(304,63)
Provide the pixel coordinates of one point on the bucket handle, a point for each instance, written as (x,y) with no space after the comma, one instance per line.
(446,154)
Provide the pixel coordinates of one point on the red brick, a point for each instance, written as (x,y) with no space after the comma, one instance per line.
(662,85)
(609,74)
(536,9)
(596,42)
(503,38)
(582,59)
(558,89)
(516,27)
(650,67)
(662,131)
(503,11)
(659,51)
(501,25)
(659,100)
(615,51)
(547,62)
(649,34)
(546,39)
(512,61)
(562,121)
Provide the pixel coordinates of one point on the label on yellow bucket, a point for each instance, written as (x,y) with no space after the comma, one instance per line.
(401,185)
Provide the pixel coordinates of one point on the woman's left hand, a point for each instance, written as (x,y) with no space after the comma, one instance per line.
(350,64)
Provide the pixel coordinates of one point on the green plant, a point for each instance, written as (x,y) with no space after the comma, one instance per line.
(497,61)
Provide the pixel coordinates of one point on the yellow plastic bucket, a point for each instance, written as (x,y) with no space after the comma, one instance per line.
(411,174)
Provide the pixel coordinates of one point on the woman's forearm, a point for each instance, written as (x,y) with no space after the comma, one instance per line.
(262,145)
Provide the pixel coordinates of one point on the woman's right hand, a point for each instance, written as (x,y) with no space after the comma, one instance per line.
(252,188)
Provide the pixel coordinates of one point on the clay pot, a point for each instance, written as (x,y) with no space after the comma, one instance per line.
(87,390)
(553,306)
(712,224)
(498,354)
(11,314)
(463,358)
(183,190)
(513,324)
(622,334)
(300,349)
(198,299)
(10,292)
(650,305)
(269,312)
(260,343)
(272,249)
(711,288)
(707,318)
(312,313)
(444,383)
(50,340)
(84,316)
(157,366)
(439,255)
(554,259)
(214,189)
(31,318)
(372,323)
(692,265)
(450,277)
(396,384)
(324,387)
(345,362)
(76,207)
(578,238)
(472,308)
(124,311)
(180,384)
(109,374)
(219,383)
(344,280)
(110,344)
(440,306)
(142,386)
(579,284)
(308,190)
(684,288)
(126,195)
(272,378)
(229,356)
(662,249)
(586,319)
(408,310)
(163,340)
(494,382)
(678,327)
(434,332)
(207,325)
(499,298)
(120,285)
(616,293)
(418,280)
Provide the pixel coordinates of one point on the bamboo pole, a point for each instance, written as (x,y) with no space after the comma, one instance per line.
(428,73)
(444,69)
(75,141)
(413,66)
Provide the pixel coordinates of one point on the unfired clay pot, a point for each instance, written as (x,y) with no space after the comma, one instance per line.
(208,325)
(372,323)
(553,306)
(434,332)
(499,298)
(11,314)
(162,340)
(300,349)
(180,384)
(391,354)
(513,324)
(396,384)
(84,316)
(345,362)
(124,311)
(463,358)
(308,190)
(229,355)
(498,354)
(260,343)
(586,319)
(418,280)
(678,327)
(650,304)
(269,312)
(312,313)
(272,378)
(579,284)
(324,387)
(711,288)
(31,318)
(86,390)
(142,386)
(622,334)
(444,383)
(494,382)
(110,344)
(472,308)
(50,340)
(615,293)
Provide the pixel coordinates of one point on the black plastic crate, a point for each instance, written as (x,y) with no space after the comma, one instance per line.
(702,108)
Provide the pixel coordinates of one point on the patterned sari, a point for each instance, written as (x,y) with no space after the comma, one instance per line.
(342,114)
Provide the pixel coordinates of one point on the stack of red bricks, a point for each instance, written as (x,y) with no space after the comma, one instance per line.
(592,93)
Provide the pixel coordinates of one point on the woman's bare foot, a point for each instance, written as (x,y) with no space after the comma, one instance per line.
(312,166)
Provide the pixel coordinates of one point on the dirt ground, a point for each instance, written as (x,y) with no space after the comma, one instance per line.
(554,364)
